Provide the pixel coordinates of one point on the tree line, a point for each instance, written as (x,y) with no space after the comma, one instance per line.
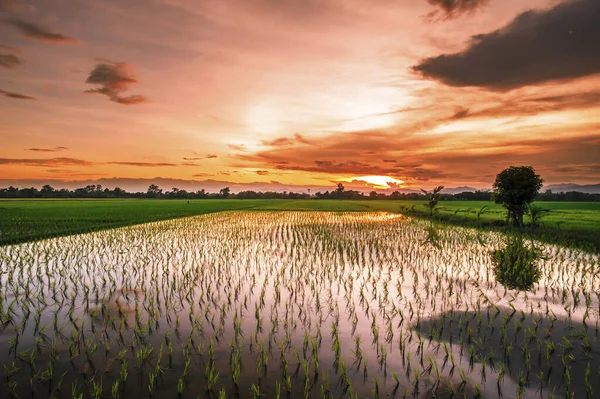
(339,192)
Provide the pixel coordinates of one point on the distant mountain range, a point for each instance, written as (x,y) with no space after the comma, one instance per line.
(582,188)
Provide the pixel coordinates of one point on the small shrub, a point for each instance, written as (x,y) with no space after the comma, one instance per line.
(433,236)
(515,265)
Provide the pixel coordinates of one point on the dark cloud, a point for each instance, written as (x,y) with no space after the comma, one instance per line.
(15,6)
(55,162)
(454,8)
(114,79)
(36,32)
(9,60)
(55,149)
(262,172)
(211,156)
(536,47)
(16,95)
(143,164)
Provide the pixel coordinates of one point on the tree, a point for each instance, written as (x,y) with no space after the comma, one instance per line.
(154,191)
(536,213)
(432,198)
(515,188)
(339,191)
(225,192)
(47,191)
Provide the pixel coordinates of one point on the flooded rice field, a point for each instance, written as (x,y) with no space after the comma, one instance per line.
(292,304)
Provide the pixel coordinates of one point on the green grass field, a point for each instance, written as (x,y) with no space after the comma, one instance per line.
(568,223)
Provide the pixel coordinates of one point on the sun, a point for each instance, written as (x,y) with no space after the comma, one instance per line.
(381,182)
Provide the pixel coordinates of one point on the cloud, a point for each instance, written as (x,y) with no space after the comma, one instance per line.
(16,95)
(536,47)
(262,172)
(238,147)
(63,161)
(525,106)
(36,32)
(284,141)
(143,164)
(427,157)
(301,139)
(55,162)
(454,8)
(9,60)
(208,156)
(114,79)
(55,149)
(278,142)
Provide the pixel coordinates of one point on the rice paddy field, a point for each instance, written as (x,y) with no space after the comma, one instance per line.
(21,220)
(293,304)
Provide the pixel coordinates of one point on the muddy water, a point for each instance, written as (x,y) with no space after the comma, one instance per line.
(310,304)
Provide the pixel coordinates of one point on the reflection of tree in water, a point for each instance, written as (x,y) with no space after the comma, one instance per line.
(536,350)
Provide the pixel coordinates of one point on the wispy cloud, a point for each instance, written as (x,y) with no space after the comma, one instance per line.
(40,33)
(114,79)
(238,147)
(285,141)
(18,96)
(65,161)
(207,156)
(142,164)
(55,162)
(55,149)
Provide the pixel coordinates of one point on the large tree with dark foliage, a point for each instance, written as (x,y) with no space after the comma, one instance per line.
(515,188)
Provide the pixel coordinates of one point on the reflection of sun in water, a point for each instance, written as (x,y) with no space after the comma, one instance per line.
(377,181)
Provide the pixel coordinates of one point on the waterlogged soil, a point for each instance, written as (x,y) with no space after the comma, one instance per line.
(292,304)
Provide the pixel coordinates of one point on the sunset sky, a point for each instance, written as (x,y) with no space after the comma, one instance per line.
(300,92)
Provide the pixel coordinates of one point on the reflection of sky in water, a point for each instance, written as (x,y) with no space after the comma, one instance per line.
(274,285)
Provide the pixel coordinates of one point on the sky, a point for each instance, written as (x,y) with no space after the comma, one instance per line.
(382,94)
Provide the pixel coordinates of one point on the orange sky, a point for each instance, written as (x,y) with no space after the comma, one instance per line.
(301,92)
